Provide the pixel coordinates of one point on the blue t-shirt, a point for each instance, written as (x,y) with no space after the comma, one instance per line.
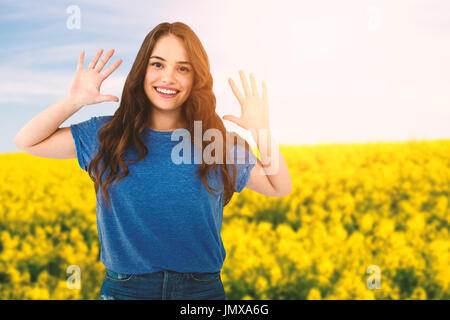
(161,215)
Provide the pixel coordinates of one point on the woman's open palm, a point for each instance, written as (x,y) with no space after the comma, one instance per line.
(85,88)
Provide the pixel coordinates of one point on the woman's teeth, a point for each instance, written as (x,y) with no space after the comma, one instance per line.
(165,91)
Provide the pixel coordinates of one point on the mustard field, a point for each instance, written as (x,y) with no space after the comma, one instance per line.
(364,221)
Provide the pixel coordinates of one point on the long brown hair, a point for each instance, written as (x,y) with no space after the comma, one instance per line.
(131,118)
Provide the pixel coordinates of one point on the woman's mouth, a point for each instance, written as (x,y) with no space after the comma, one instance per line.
(165,95)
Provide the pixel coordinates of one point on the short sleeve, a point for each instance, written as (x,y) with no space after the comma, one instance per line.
(245,160)
(86,141)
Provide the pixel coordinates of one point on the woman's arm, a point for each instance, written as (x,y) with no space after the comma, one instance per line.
(271,176)
(46,123)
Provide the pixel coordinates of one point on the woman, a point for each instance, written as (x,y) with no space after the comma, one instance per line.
(159,220)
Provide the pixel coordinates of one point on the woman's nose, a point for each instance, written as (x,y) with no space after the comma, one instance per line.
(168,75)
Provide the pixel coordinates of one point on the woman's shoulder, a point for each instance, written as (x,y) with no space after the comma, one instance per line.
(103,119)
(96,122)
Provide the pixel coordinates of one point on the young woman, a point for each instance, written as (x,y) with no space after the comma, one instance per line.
(159,220)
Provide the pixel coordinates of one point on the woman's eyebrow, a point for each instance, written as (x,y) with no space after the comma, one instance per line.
(182,62)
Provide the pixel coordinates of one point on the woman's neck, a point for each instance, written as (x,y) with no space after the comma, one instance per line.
(167,124)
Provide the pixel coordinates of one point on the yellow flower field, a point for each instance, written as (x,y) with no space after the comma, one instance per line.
(364,221)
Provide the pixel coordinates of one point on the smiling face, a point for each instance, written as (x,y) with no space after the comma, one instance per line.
(167,68)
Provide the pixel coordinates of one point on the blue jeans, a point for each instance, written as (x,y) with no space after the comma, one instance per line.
(162,285)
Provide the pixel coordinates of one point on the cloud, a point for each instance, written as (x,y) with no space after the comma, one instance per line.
(28,10)
(65,53)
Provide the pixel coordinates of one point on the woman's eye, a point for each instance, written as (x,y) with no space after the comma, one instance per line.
(184,68)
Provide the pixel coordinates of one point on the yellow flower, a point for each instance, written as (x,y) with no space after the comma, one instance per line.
(367,222)
(261,284)
(419,294)
(314,294)
(275,275)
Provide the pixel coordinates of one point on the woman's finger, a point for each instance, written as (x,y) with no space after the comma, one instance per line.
(107,97)
(111,68)
(234,119)
(244,83)
(254,87)
(104,60)
(95,59)
(80,61)
(236,92)
(264,90)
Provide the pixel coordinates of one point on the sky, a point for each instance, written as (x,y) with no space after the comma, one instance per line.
(336,71)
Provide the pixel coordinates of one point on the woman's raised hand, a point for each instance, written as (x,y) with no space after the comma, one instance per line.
(85,88)
(254,108)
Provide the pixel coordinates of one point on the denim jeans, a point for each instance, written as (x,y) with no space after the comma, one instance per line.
(162,285)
